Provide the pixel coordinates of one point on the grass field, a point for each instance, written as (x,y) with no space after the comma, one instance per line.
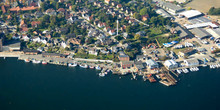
(203,5)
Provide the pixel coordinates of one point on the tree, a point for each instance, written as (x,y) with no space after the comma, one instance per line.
(137,37)
(143,11)
(137,16)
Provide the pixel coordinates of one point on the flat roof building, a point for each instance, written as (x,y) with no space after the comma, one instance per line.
(183,33)
(163,13)
(200,33)
(171,8)
(214,32)
(190,14)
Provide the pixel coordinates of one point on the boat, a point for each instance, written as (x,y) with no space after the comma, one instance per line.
(158,76)
(36,61)
(83,66)
(91,67)
(101,74)
(44,62)
(72,64)
(98,68)
(27,60)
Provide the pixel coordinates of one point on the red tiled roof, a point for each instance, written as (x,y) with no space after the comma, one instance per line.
(23,9)
(3,8)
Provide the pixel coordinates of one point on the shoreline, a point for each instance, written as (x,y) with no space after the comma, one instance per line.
(165,76)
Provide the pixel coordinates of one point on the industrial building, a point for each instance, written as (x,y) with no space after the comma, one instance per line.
(214,32)
(163,13)
(171,8)
(189,14)
(170,64)
(200,33)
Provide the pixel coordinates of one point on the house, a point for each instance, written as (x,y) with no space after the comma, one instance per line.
(152,64)
(123,57)
(36,39)
(51,12)
(75,41)
(145,17)
(25,37)
(22,24)
(35,23)
(53,55)
(191,62)
(142,58)
(114,3)
(93,51)
(127,64)
(112,32)
(107,29)
(170,64)
(61,10)
(107,1)
(186,52)
(119,6)
(101,25)
(125,35)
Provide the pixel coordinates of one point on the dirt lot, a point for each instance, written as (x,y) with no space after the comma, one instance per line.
(204,5)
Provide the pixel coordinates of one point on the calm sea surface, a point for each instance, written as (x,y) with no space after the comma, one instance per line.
(27,86)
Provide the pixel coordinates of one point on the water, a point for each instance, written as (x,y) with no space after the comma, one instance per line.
(27,86)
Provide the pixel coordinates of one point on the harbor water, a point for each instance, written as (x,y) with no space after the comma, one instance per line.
(28,86)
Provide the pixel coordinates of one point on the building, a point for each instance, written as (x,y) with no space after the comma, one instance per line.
(13,46)
(200,33)
(189,14)
(107,1)
(170,64)
(139,65)
(171,8)
(179,1)
(127,64)
(201,25)
(191,62)
(214,32)
(183,33)
(186,52)
(152,64)
(163,13)
(123,58)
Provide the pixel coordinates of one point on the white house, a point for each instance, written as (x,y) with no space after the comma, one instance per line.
(191,62)
(63,44)
(112,32)
(43,41)
(170,64)
(36,39)
(25,38)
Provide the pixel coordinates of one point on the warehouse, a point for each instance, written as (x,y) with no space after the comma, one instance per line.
(200,33)
(171,8)
(189,14)
(163,13)
(214,32)
(201,25)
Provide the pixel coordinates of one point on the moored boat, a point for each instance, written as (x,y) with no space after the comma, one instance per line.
(101,74)
(44,62)
(72,64)
(36,61)
(91,67)
(27,60)
(83,66)
(98,68)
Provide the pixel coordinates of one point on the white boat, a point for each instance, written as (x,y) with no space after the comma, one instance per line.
(36,61)
(72,64)
(101,74)
(84,66)
(98,68)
